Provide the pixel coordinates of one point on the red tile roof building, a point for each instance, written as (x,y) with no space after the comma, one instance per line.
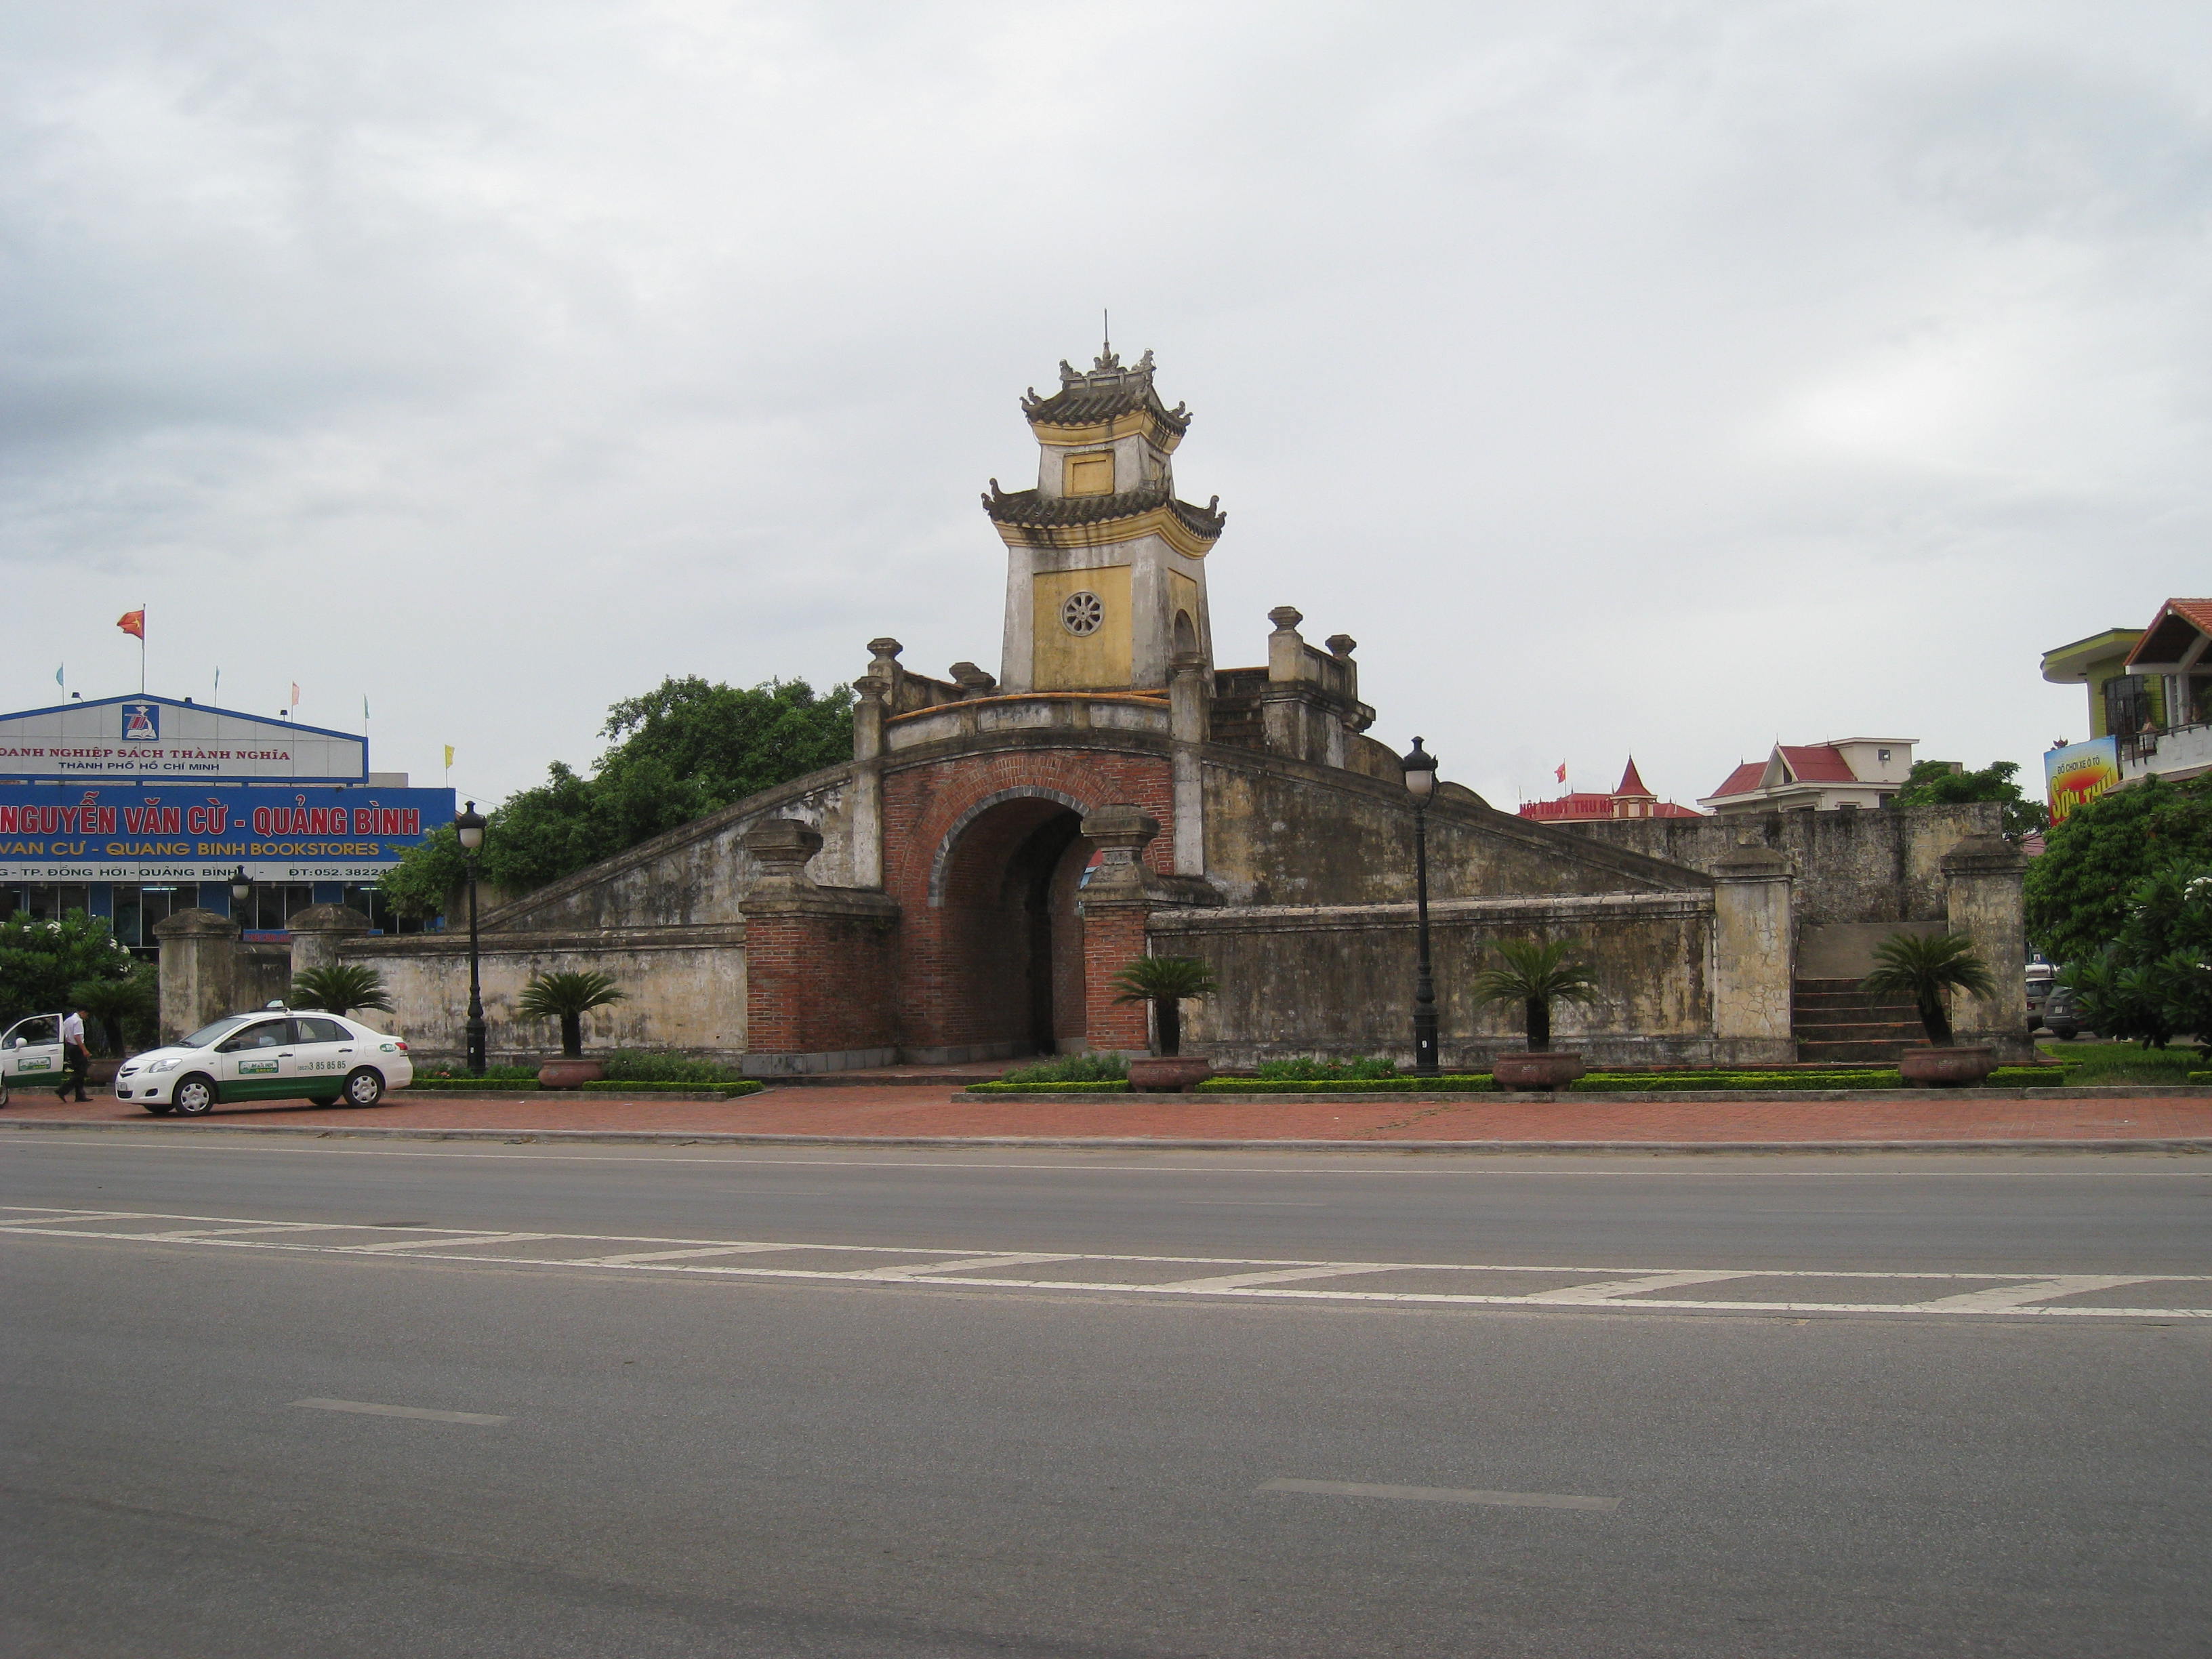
(1850,772)
(1631,800)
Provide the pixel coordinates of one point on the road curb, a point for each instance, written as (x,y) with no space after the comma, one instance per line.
(1106,1143)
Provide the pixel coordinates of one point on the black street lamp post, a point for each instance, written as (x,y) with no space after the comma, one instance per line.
(242,889)
(1420,768)
(470,826)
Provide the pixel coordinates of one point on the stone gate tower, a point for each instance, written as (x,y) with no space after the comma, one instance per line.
(1105,566)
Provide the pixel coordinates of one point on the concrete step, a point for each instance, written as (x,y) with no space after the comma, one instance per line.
(1852,1054)
(1874,1030)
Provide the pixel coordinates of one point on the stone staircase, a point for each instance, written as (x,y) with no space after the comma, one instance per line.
(1836,1023)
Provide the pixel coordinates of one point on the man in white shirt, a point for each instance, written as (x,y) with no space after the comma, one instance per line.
(75,1059)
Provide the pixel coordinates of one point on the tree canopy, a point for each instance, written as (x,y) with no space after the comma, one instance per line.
(1943,783)
(41,960)
(683,750)
(2077,892)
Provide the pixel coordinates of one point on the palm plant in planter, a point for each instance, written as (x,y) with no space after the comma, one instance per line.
(1166,982)
(1921,969)
(567,997)
(341,987)
(1536,974)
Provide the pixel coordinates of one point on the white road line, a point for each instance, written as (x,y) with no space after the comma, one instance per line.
(1239,1281)
(1533,1500)
(421,1244)
(2013,1294)
(1611,1289)
(2018,1295)
(913,1269)
(632,1256)
(367,1409)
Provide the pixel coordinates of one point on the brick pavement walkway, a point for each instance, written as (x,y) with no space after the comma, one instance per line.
(930,1111)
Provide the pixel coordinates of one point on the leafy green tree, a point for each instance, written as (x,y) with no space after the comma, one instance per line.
(2153,982)
(1939,783)
(341,987)
(120,1007)
(567,997)
(1166,982)
(685,749)
(1920,968)
(1536,974)
(41,961)
(2077,893)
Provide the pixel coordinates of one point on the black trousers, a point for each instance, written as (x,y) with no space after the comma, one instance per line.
(75,1062)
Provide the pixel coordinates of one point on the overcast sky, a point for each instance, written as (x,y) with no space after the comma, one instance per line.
(1633,377)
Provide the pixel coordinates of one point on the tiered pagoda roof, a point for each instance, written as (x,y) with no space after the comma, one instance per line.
(1105,394)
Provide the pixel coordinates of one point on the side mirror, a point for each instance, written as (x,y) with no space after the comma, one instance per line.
(18,1042)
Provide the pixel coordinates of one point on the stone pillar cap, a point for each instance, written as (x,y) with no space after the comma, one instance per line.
(1285,618)
(1982,855)
(1753,860)
(783,845)
(196,922)
(1119,826)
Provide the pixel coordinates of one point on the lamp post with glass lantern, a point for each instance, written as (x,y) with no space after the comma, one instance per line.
(1420,769)
(241,889)
(469,825)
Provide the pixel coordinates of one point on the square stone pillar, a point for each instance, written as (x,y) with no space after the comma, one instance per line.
(1186,729)
(1755,957)
(870,710)
(318,932)
(1981,899)
(820,970)
(197,975)
(1121,895)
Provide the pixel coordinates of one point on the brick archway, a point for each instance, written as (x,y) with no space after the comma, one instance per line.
(984,856)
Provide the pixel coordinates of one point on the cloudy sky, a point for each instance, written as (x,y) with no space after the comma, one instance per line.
(1626,377)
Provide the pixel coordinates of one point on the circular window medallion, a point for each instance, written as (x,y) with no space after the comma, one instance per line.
(1082,613)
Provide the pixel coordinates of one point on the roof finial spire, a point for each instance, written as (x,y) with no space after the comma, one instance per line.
(1106,330)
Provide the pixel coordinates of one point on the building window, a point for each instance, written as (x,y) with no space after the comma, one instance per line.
(2128,705)
(1090,473)
(1082,613)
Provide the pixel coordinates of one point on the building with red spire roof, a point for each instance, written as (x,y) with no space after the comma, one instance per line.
(1631,800)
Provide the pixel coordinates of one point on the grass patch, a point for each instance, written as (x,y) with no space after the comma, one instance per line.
(2094,1063)
(1302,1069)
(1070,1068)
(659,1066)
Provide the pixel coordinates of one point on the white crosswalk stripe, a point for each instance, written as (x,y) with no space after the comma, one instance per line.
(1592,1287)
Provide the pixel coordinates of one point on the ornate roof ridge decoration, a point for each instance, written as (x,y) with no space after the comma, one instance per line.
(1105,390)
(1031,509)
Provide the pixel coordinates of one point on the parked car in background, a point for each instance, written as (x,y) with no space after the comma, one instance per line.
(2041,977)
(2062,1013)
(31,1052)
(272,1053)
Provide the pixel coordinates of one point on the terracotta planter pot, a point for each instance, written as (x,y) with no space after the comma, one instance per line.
(1173,1075)
(1946,1068)
(1536,1069)
(570,1073)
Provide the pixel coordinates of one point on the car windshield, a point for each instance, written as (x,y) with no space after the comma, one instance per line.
(208,1035)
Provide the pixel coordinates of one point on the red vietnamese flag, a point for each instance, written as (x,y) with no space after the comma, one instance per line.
(133,623)
(1561,773)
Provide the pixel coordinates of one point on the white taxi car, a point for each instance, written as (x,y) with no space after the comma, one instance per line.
(272,1054)
(31,1053)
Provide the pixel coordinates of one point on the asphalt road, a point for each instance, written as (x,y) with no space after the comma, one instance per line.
(344,1440)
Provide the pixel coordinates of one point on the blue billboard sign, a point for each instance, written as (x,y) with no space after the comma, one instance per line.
(134,832)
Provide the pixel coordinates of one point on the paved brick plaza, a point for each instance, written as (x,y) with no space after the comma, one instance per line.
(936,1110)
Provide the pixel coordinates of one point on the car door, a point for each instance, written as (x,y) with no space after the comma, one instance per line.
(257,1061)
(31,1049)
(324,1054)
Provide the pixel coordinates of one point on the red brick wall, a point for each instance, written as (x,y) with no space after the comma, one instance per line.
(818,983)
(961,969)
(1112,935)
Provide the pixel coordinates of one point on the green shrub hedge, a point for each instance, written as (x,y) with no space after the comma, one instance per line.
(1050,1087)
(1343,1085)
(1070,1068)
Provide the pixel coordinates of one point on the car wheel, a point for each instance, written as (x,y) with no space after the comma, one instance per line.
(322,1100)
(364,1087)
(159,1108)
(194,1096)
(3,1092)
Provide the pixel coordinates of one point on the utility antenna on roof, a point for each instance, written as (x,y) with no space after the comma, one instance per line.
(1106,330)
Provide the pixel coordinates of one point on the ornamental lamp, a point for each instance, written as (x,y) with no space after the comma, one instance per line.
(241,885)
(1420,769)
(469,825)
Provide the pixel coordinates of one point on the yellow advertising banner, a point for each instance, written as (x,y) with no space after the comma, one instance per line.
(2076,775)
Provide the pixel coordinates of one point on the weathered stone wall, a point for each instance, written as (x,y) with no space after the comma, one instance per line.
(1850,867)
(1280,832)
(696,875)
(1338,980)
(686,989)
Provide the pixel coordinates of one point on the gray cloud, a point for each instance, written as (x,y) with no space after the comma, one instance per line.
(1665,379)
